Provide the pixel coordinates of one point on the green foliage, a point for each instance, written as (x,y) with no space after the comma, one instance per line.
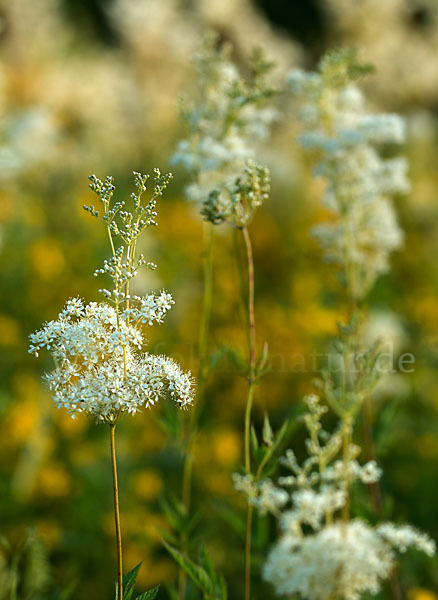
(342,66)
(203,575)
(180,522)
(355,372)
(129,581)
(265,451)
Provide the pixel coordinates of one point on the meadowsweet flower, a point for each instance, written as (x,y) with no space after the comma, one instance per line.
(99,367)
(224,127)
(347,141)
(98,370)
(343,560)
(320,554)
(401,537)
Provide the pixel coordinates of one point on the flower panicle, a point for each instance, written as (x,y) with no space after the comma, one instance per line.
(318,553)
(100,368)
(347,143)
(231,116)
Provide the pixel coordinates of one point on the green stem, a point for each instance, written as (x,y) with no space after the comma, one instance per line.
(198,401)
(370,451)
(248,552)
(251,315)
(116,512)
(346,434)
(247,431)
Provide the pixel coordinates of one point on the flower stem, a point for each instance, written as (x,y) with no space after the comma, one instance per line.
(347,431)
(251,317)
(370,450)
(248,552)
(198,401)
(247,432)
(116,512)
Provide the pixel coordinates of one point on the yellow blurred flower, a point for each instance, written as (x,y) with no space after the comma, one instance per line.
(54,481)
(226,447)
(218,484)
(421,594)
(7,207)
(148,484)
(47,258)
(428,445)
(69,426)
(9,331)
(152,572)
(20,422)
(49,532)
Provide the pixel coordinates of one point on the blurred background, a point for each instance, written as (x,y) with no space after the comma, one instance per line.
(92,86)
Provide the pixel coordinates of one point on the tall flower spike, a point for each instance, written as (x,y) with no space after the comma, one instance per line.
(224,126)
(347,142)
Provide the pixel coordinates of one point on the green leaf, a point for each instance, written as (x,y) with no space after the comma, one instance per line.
(149,595)
(262,361)
(268,468)
(254,440)
(268,436)
(231,517)
(206,563)
(222,588)
(129,582)
(197,574)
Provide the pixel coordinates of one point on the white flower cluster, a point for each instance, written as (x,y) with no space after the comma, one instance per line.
(320,554)
(150,308)
(342,560)
(99,369)
(360,182)
(224,127)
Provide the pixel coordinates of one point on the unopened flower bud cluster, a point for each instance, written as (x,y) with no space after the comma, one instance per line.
(237,203)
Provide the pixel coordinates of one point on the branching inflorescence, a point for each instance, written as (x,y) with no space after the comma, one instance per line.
(322,553)
(99,367)
(224,127)
(96,347)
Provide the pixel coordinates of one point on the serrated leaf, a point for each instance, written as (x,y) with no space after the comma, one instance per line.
(129,582)
(149,595)
(197,574)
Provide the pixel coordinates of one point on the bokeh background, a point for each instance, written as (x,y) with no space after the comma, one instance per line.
(92,86)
